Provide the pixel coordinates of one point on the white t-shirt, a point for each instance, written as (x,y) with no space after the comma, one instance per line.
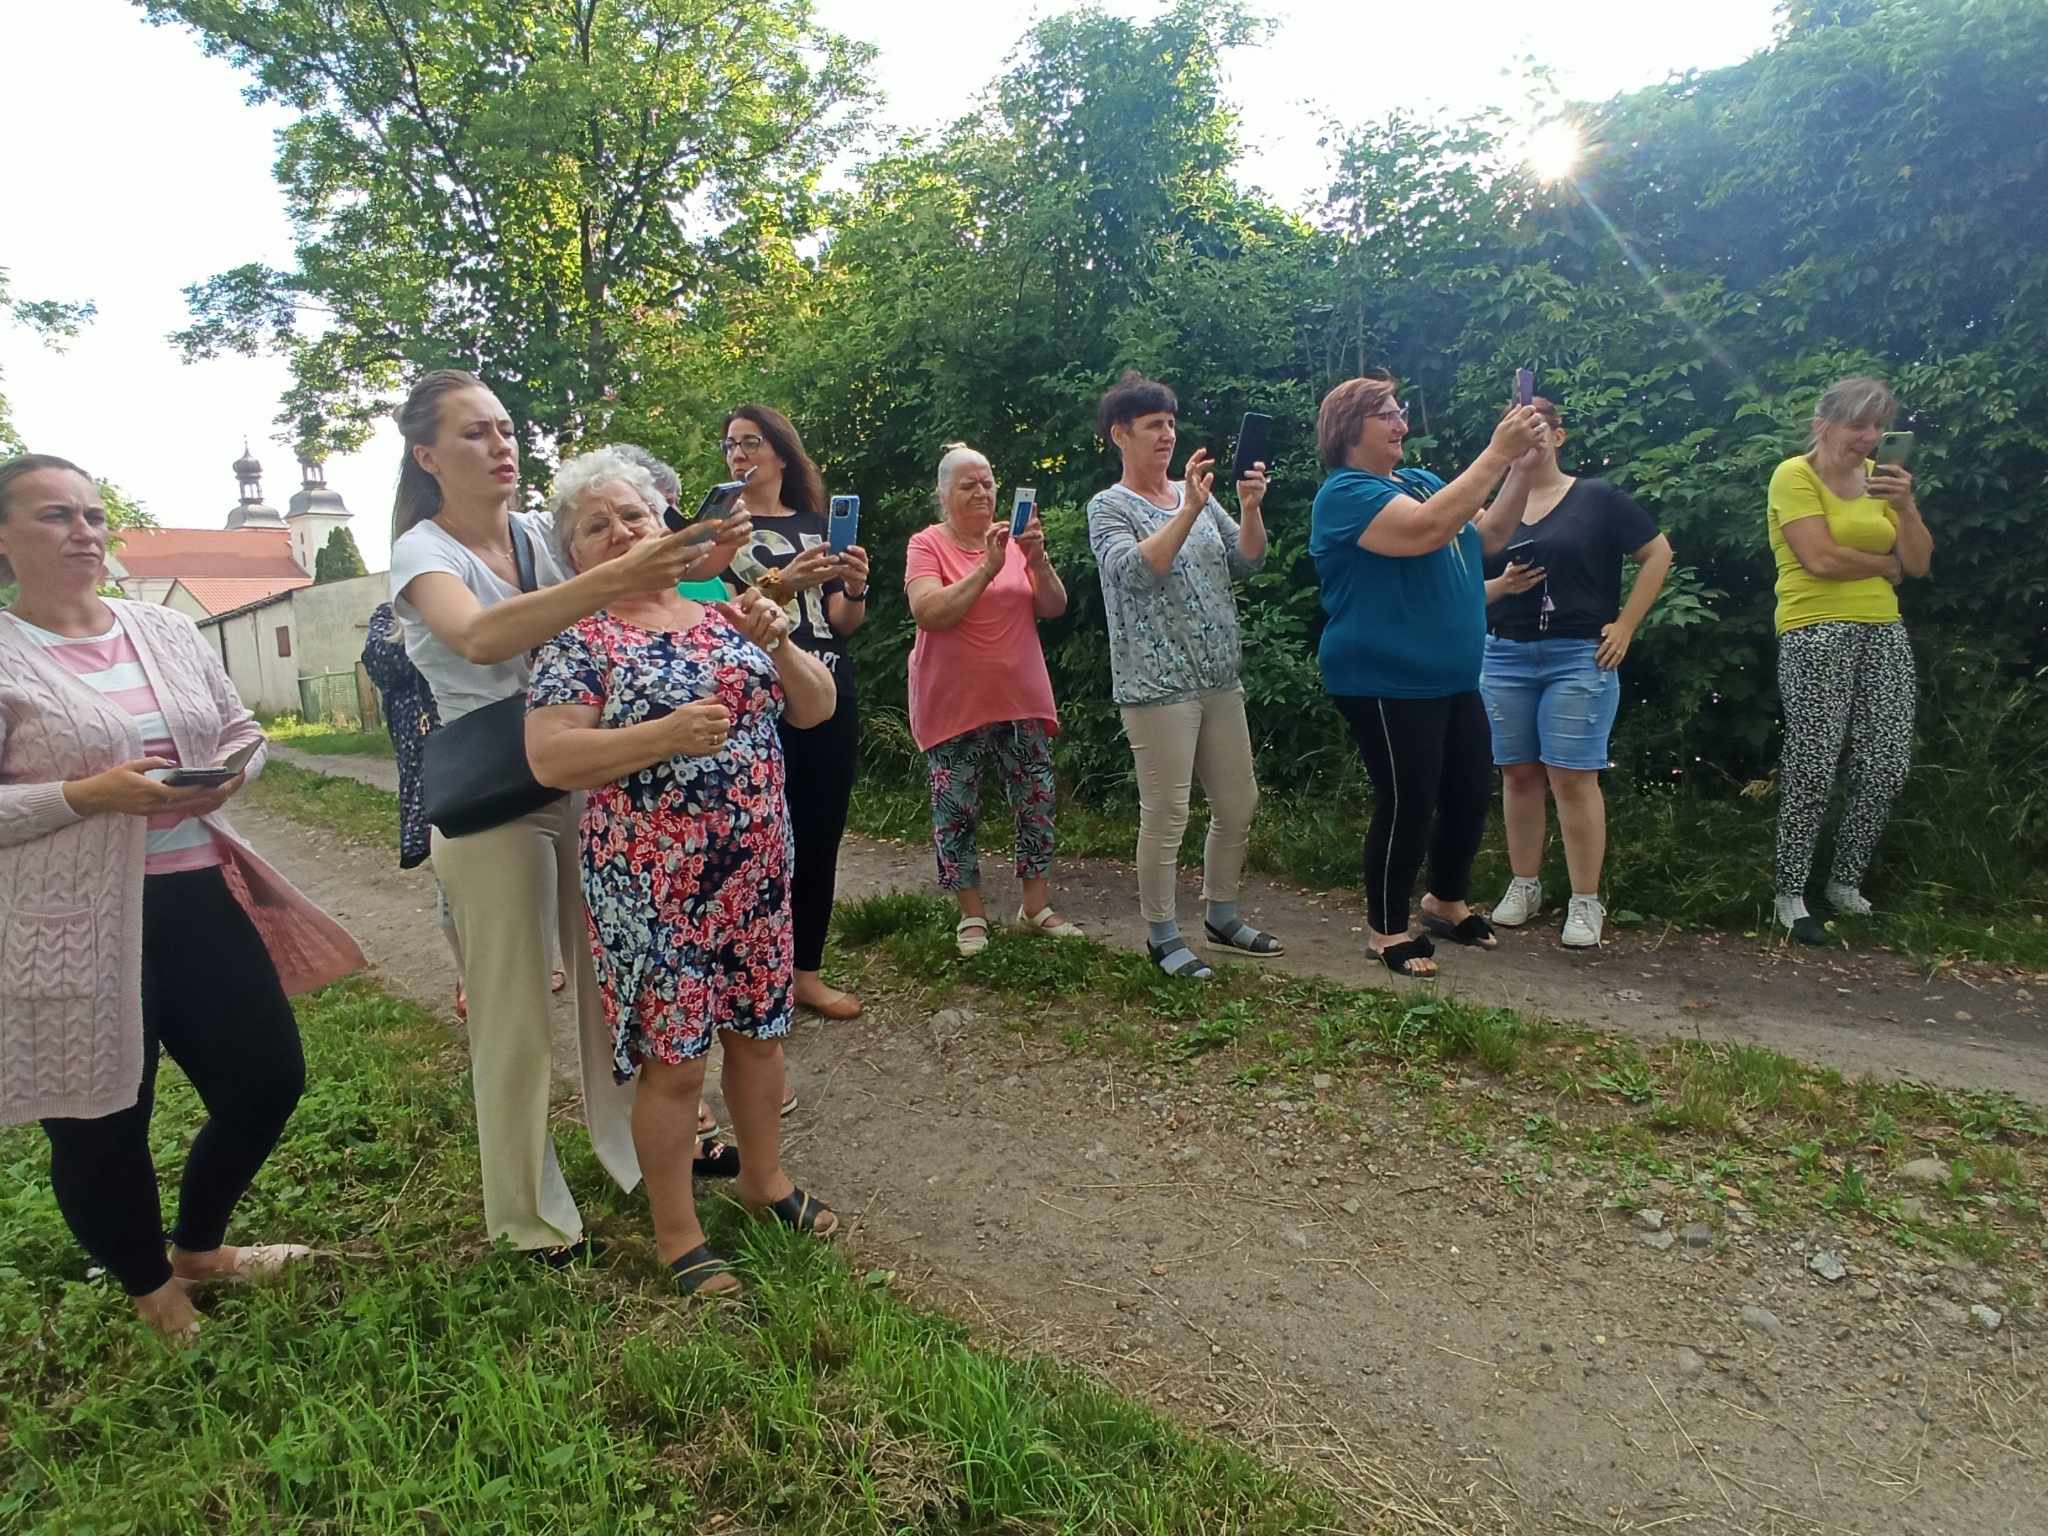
(461,686)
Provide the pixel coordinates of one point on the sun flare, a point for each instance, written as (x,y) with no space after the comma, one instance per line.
(1554,149)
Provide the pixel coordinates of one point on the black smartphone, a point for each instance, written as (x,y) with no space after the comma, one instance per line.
(1522,552)
(1895,448)
(206,778)
(1251,444)
(717,502)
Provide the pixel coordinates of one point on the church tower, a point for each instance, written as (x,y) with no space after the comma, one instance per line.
(251,511)
(313,513)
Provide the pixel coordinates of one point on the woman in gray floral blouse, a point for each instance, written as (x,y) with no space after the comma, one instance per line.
(1168,554)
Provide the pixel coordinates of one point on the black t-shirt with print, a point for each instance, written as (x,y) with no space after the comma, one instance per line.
(776,542)
(1580,547)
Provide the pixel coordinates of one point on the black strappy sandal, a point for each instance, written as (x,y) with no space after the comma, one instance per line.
(1260,943)
(716,1159)
(800,1213)
(1396,958)
(1187,965)
(698,1272)
(1475,930)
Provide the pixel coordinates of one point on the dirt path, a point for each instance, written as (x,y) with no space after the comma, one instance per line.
(1862,1012)
(1376,1302)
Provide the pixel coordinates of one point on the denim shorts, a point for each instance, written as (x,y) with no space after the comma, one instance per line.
(1549,702)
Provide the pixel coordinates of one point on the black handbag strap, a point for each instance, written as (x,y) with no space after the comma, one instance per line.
(522,555)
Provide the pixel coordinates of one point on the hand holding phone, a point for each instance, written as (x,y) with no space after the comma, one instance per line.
(209,778)
(842,530)
(1525,386)
(1022,501)
(1251,444)
(1894,449)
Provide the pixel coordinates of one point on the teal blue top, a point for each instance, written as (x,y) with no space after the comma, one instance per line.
(1400,626)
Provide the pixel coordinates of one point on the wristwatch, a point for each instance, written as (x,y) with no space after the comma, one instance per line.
(855,597)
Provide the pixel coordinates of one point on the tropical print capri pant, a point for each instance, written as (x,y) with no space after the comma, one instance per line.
(1022,753)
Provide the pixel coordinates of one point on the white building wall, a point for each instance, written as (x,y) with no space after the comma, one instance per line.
(332,619)
(247,643)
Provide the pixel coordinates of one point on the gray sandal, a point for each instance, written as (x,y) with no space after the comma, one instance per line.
(1176,959)
(1244,938)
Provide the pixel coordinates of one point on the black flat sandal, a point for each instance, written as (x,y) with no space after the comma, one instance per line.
(716,1159)
(1244,938)
(585,1250)
(1396,958)
(1474,930)
(698,1273)
(800,1213)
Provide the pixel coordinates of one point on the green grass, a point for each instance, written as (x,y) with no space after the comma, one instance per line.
(328,738)
(417,1383)
(1779,1134)
(1946,885)
(356,813)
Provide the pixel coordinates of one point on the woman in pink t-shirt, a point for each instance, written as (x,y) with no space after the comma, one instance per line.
(979,689)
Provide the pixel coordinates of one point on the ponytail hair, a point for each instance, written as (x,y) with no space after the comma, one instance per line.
(419,422)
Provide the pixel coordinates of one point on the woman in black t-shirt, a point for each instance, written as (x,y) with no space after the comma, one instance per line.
(1557,630)
(789,559)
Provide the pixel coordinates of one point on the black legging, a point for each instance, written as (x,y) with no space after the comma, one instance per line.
(819,764)
(210,997)
(1429,759)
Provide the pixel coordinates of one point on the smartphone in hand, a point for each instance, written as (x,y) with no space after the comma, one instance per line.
(208,778)
(1525,386)
(1022,500)
(842,529)
(1251,444)
(1896,449)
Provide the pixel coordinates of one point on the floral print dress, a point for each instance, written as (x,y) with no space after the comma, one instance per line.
(686,863)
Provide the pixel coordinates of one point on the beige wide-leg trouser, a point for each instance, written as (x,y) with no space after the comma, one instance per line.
(502,886)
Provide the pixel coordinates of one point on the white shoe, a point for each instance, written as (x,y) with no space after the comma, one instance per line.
(1583,920)
(970,936)
(1848,901)
(1049,923)
(1522,902)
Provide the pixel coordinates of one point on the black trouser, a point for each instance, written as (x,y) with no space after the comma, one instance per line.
(819,764)
(1430,760)
(211,997)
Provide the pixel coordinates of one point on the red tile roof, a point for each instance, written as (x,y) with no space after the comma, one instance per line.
(165,553)
(220,594)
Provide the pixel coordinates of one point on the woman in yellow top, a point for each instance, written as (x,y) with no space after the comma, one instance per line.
(1845,532)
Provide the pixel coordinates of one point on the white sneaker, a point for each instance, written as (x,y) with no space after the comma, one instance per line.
(1583,920)
(1848,901)
(1522,902)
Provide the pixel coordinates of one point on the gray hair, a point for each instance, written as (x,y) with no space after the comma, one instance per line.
(666,480)
(950,462)
(579,476)
(1854,402)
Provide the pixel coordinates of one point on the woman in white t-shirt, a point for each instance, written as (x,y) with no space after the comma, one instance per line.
(469,629)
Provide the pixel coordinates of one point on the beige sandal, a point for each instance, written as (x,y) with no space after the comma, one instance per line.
(1048,923)
(970,936)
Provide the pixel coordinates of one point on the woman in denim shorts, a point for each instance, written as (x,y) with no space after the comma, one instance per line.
(1557,631)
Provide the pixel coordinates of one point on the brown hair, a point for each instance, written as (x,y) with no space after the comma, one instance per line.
(1548,410)
(419,421)
(1130,397)
(1343,413)
(13,470)
(803,488)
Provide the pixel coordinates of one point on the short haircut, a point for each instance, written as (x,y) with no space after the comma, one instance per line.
(1130,397)
(666,480)
(579,477)
(1343,414)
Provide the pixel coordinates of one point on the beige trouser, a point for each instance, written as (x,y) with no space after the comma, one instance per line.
(1171,745)
(502,886)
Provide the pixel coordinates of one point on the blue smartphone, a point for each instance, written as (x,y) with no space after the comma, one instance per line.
(1022,500)
(1525,386)
(842,532)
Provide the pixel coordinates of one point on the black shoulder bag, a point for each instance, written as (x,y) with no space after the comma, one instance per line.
(474,774)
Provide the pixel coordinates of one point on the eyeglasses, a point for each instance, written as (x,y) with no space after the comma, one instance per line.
(1398,413)
(751,443)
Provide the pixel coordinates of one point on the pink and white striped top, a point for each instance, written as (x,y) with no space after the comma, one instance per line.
(108,665)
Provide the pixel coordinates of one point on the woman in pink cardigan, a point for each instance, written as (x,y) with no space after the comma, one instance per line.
(132,918)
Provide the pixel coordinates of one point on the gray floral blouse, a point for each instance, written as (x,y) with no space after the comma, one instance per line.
(1174,639)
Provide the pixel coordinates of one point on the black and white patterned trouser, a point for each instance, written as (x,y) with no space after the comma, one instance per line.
(1841,682)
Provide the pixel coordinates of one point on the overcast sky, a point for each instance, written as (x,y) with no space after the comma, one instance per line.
(136,168)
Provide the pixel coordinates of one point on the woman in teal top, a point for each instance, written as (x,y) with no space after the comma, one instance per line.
(1400,555)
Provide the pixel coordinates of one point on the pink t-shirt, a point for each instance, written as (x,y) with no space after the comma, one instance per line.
(108,665)
(989,666)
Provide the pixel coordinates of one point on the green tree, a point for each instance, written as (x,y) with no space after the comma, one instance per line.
(507,186)
(338,559)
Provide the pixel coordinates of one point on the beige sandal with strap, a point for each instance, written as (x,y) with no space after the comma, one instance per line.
(970,936)
(1049,923)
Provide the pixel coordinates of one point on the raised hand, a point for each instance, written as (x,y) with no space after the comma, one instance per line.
(853,568)
(1251,490)
(1032,540)
(996,550)
(813,568)
(761,619)
(1520,429)
(1198,479)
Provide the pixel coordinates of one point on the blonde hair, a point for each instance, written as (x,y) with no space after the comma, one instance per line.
(1858,400)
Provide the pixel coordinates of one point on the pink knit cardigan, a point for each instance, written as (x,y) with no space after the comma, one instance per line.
(71,885)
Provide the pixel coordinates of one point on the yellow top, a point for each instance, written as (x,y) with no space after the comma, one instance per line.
(1866,523)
